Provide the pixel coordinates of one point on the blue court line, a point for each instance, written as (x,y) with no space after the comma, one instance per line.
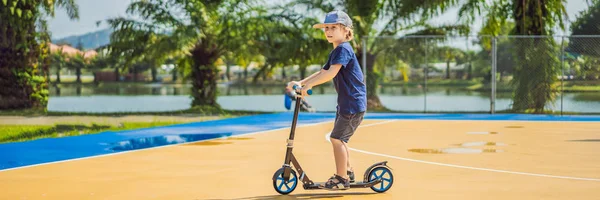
(20,154)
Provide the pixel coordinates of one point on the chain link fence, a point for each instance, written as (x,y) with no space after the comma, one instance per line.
(485,74)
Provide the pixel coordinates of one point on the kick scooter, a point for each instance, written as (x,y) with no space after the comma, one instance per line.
(378,176)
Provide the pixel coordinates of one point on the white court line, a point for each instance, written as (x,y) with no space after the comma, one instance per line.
(131,151)
(484,120)
(459,166)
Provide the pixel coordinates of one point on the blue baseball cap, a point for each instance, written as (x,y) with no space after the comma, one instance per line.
(335,17)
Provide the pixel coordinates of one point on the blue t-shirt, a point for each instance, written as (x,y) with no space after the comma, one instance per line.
(348,82)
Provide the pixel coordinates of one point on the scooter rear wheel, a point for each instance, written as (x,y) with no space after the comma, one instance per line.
(387,179)
(283,187)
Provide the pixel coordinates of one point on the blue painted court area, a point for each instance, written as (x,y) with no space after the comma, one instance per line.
(40,151)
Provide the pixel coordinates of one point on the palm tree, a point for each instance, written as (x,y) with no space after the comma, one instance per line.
(291,41)
(57,61)
(24,47)
(77,63)
(535,73)
(197,32)
(449,54)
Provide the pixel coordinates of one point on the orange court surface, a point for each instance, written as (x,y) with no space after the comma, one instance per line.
(430,159)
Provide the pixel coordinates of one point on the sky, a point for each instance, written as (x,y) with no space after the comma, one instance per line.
(91,11)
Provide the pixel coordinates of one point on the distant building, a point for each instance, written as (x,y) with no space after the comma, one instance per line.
(70,51)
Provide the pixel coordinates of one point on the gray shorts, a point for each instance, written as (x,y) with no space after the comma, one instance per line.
(345,125)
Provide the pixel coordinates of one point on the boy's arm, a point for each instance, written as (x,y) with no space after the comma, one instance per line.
(303,82)
(323,76)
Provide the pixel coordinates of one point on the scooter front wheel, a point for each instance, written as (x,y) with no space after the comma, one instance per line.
(387,179)
(282,186)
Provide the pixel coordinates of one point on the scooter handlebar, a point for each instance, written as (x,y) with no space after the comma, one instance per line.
(297,88)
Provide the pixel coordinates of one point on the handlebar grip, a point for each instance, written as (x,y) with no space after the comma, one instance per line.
(309,92)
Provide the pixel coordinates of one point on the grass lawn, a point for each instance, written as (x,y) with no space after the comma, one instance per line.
(569,86)
(29,124)
(197,111)
(582,88)
(18,133)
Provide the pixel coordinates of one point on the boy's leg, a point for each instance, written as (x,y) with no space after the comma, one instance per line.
(341,157)
(344,128)
(348,166)
(350,170)
(354,123)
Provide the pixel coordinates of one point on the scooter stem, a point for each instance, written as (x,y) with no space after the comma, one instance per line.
(290,141)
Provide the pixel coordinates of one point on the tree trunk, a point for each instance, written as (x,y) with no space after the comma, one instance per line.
(117,74)
(78,73)
(283,76)
(134,74)
(536,72)
(204,77)
(259,73)
(266,72)
(302,72)
(246,73)
(154,73)
(57,75)
(227,71)
(21,58)
(470,72)
(174,74)
(447,69)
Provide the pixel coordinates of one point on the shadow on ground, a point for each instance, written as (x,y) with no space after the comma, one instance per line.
(586,140)
(304,196)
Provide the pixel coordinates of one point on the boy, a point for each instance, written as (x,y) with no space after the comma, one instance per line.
(342,66)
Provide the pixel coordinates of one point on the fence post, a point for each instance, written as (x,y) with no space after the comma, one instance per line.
(426,74)
(493,76)
(364,60)
(562,73)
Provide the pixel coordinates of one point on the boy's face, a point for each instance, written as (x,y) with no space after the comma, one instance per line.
(335,33)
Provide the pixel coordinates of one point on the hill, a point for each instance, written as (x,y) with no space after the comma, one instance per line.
(89,41)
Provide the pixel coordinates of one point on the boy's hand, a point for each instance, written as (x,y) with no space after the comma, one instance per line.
(304,91)
(291,84)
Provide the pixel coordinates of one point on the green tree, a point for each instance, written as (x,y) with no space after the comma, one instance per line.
(449,55)
(537,66)
(290,40)
(395,15)
(77,63)
(57,62)
(275,36)
(587,24)
(482,60)
(245,56)
(586,48)
(24,51)
(197,32)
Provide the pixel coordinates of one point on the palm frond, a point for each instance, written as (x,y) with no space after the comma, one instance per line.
(69,5)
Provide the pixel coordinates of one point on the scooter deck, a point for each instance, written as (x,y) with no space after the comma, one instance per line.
(316,186)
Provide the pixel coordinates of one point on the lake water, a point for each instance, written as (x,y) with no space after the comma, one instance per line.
(158,97)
